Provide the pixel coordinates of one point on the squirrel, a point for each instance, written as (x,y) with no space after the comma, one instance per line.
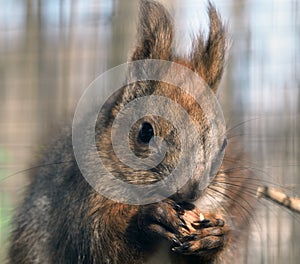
(64,220)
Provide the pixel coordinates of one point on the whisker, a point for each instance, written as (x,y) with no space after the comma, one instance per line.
(35,167)
(242,123)
(245,213)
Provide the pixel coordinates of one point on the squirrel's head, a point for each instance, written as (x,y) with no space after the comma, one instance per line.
(159,112)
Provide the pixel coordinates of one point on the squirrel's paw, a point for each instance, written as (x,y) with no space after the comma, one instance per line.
(163,219)
(206,236)
(206,241)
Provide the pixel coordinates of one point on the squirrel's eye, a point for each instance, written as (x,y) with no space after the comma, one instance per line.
(146,133)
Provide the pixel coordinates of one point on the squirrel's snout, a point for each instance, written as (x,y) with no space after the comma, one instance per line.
(188,193)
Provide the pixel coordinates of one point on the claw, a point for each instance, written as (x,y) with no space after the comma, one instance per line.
(178,209)
(182,248)
(185,227)
(204,221)
(176,242)
(175,249)
(183,224)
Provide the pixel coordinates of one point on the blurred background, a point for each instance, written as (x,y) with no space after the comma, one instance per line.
(51,50)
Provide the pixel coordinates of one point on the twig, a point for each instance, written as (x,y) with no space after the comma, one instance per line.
(279,197)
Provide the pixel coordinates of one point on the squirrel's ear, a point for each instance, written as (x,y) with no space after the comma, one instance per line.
(155,32)
(208,57)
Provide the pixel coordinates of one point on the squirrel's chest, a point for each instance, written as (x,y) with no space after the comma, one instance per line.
(164,255)
(161,255)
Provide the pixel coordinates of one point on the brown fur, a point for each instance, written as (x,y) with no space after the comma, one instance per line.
(64,220)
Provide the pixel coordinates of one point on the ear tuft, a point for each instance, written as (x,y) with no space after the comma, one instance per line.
(155,32)
(208,57)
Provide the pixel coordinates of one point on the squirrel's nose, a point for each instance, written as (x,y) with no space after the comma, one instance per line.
(189,193)
(193,195)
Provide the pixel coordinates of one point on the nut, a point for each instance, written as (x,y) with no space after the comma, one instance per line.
(192,216)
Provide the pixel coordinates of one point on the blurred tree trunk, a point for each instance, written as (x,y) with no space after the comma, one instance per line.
(123,30)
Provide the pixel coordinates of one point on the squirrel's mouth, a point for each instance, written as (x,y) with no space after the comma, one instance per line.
(190,192)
